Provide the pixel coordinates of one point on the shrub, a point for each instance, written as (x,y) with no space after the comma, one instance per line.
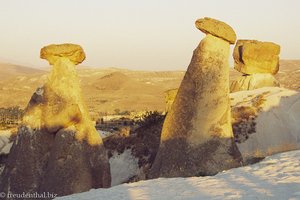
(150,118)
(10,116)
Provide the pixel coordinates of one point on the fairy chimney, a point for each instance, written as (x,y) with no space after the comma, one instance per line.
(57,149)
(197,136)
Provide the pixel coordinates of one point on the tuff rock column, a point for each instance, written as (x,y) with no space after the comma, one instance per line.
(65,105)
(197,137)
(57,149)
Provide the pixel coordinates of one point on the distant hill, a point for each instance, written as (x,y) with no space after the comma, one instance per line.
(107,89)
(117,81)
(289,65)
(114,81)
(9,70)
(289,74)
(118,90)
(104,89)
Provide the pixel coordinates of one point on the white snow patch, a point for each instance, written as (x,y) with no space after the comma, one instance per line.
(104,134)
(5,143)
(277,124)
(123,167)
(1,169)
(276,177)
(6,148)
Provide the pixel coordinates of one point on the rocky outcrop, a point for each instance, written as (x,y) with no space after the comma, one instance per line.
(258,61)
(197,137)
(266,121)
(253,81)
(169,97)
(252,56)
(57,148)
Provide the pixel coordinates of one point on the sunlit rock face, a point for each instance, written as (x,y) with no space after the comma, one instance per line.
(62,104)
(253,81)
(258,61)
(252,56)
(197,137)
(57,149)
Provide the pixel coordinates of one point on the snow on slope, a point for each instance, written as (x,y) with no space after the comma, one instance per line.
(123,167)
(276,177)
(276,126)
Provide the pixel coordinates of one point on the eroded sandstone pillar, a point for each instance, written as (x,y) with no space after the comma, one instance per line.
(57,149)
(63,104)
(197,137)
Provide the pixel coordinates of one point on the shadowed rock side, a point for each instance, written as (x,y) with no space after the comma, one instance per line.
(57,148)
(197,136)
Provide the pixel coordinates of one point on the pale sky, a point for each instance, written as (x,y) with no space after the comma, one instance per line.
(139,34)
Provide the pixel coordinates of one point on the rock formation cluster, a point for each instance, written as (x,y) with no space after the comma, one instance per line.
(258,61)
(57,149)
(197,137)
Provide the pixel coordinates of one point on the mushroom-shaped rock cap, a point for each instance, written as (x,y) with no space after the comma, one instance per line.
(216,28)
(52,52)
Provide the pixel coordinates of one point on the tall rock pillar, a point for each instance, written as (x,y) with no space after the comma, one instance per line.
(57,149)
(197,137)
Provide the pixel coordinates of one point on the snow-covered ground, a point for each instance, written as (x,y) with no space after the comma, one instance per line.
(277,120)
(276,177)
(122,167)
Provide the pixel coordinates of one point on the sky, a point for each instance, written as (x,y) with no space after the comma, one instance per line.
(139,34)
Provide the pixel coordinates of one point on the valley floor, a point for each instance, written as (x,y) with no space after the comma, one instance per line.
(276,177)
